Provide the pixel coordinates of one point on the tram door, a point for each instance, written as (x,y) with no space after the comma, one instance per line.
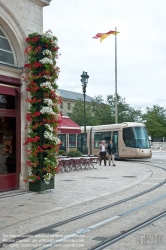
(115,141)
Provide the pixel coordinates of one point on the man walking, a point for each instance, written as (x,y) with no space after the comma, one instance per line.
(111,152)
(103,150)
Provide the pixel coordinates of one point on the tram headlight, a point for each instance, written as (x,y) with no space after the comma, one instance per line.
(140,150)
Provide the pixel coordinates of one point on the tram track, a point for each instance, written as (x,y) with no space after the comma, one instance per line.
(92,229)
(72,219)
(112,240)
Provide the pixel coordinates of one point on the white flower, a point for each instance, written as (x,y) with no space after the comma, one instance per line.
(47,53)
(48,110)
(48,35)
(49,162)
(47,77)
(48,101)
(49,127)
(47,178)
(48,85)
(50,136)
(46,60)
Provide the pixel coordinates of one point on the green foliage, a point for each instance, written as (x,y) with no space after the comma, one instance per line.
(62,152)
(74,153)
(155,121)
(100,112)
(125,112)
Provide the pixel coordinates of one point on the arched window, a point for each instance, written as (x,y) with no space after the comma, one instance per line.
(6,52)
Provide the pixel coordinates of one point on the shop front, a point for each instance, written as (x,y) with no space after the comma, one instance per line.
(15,26)
(9,137)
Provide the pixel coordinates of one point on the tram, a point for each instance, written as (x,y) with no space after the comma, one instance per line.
(130,138)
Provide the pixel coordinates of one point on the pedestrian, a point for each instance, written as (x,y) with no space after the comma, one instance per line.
(103,151)
(111,152)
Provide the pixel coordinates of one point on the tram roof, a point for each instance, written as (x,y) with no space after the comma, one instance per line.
(114,126)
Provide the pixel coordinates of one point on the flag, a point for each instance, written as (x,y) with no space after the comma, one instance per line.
(104,35)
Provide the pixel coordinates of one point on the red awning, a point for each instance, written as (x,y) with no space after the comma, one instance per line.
(4,90)
(18,90)
(67,126)
(7,90)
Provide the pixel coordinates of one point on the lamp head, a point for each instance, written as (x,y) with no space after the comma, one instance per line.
(84,78)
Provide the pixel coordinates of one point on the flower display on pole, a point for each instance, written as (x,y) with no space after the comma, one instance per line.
(43,116)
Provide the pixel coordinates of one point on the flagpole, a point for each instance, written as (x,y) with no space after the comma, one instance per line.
(116,106)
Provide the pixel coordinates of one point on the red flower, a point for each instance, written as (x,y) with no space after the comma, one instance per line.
(28,65)
(32,40)
(38,49)
(29,163)
(32,87)
(54,48)
(29,117)
(40,149)
(36,126)
(30,140)
(28,49)
(31,100)
(37,113)
(37,64)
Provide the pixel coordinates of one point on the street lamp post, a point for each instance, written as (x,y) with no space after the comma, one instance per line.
(84,81)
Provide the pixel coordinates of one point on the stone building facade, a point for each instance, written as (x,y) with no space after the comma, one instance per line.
(69,99)
(18,18)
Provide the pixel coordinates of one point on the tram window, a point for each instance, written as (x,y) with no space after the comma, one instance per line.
(97,139)
(128,137)
(100,136)
(72,141)
(141,137)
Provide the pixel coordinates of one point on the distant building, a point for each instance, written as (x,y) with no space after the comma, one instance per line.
(69,99)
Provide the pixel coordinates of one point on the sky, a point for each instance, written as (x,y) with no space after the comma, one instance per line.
(141,47)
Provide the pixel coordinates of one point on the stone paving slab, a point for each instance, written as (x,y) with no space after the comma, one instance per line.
(71,188)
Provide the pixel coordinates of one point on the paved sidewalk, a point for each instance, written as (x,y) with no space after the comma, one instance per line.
(71,188)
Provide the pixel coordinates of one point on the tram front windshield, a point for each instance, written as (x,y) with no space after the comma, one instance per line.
(136,137)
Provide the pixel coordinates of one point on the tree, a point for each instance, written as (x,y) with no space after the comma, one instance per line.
(94,112)
(125,112)
(155,120)
(77,113)
(100,112)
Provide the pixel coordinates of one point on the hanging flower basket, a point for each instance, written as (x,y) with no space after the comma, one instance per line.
(43,117)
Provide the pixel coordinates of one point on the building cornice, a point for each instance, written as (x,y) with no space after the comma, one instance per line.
(11,69)
(42,3)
